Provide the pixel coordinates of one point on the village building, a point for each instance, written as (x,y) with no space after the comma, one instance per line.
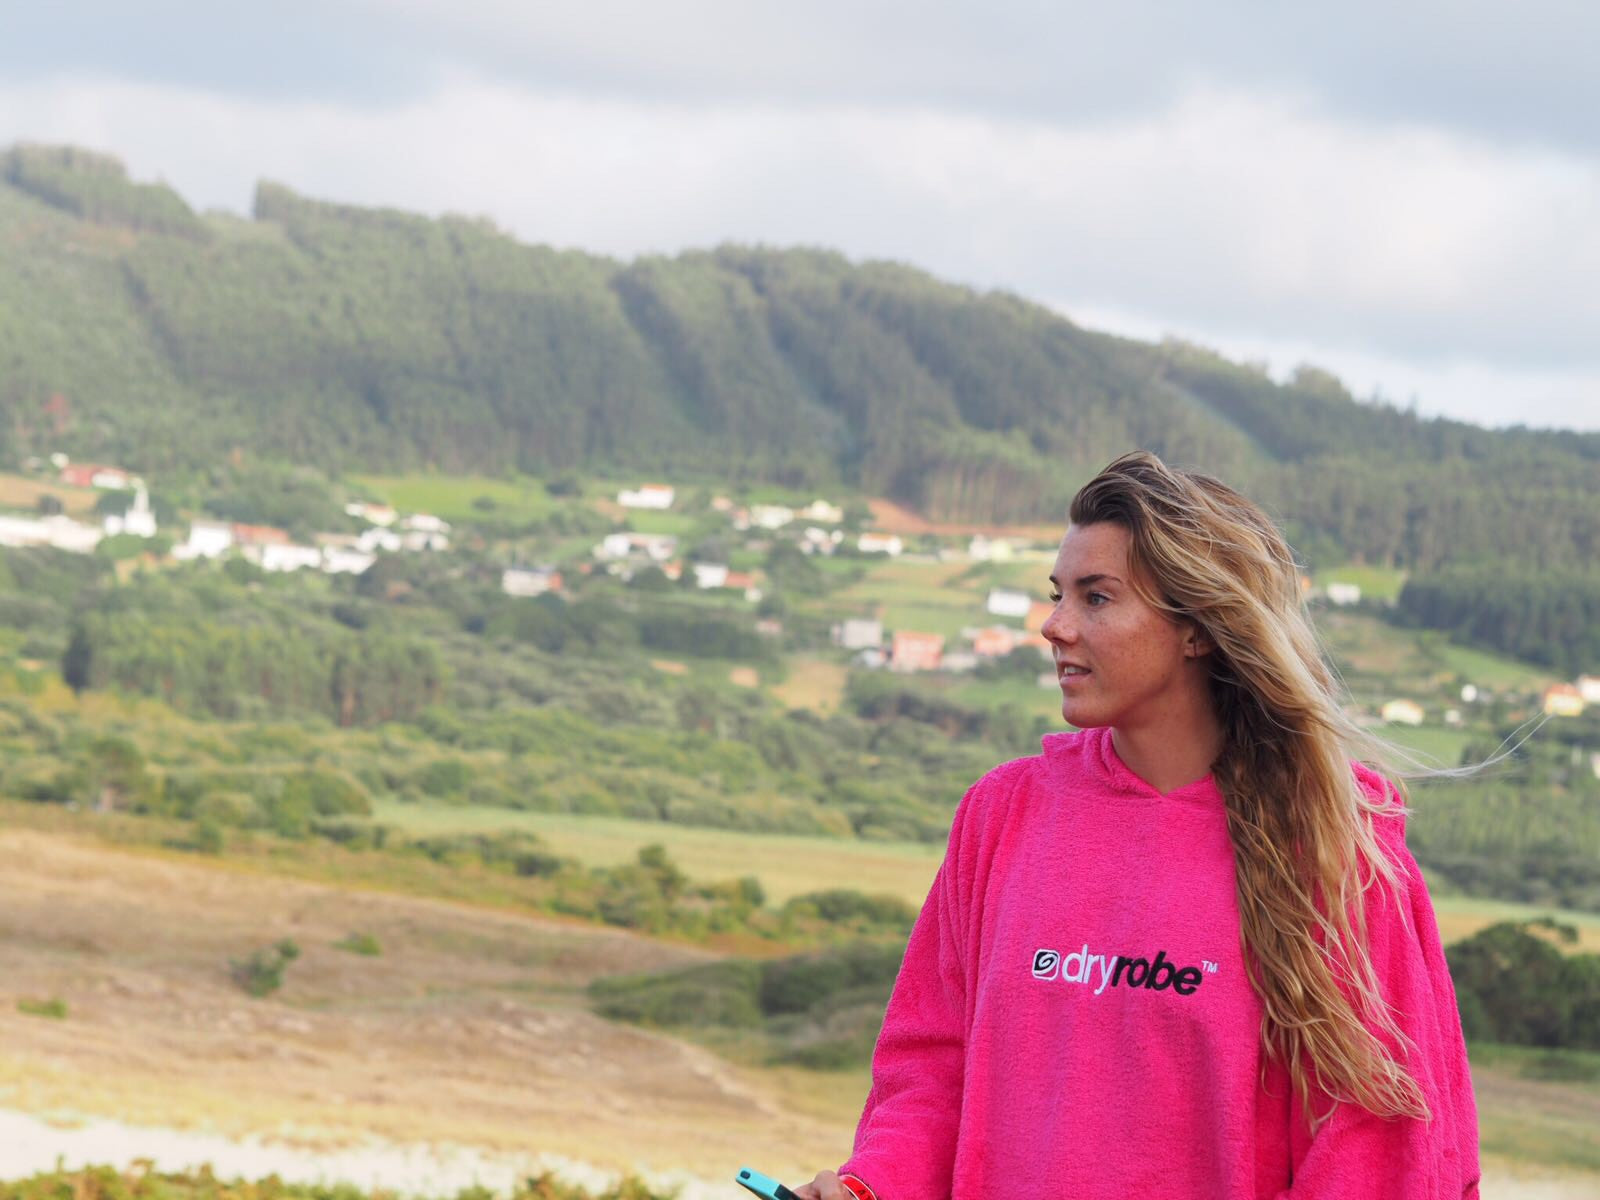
(710,575)
(858,633)
(375,538)
(770,516)
(1402,712)
(529,581)
(138,520)
(1563,700)
(1005,602)
(345,560)
(914,651)
(284,556)
(1589,688)
(820,541)
(986,549)
(880,543)
(424,539)
(373,514)
(996,641)
(656,496)
(657,547)
(821,510)
(59,532)
(1343,593)
(744,583)
(95,475)
(207,539)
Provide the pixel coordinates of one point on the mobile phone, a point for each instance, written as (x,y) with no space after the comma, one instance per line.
(767,1189)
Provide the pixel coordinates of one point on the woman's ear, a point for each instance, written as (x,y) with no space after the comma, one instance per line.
(1196,642)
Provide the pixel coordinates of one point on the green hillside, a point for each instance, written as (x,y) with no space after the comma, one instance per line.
(375,340)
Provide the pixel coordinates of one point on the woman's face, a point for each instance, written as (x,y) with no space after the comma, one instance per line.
(1119,661)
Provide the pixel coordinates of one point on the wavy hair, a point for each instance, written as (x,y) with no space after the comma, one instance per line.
(1304,847)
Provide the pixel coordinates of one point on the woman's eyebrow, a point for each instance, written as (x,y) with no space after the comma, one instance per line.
(1084,581)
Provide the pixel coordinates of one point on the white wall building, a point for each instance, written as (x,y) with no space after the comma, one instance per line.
(652,495)
(1344,593)
(858,633)
(1006,602)
(345,560)
(710,575)
(374,514)
(286,556)
(138,520)
(770,516)
(821,510)
(207,539)
(880,543)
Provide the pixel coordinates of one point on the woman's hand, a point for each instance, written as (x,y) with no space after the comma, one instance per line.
(825,1186)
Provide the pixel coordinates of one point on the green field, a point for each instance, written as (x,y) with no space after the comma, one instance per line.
(1376,583)
(462,497)
(786,866)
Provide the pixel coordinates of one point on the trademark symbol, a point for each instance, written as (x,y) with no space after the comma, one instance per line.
(1210,967)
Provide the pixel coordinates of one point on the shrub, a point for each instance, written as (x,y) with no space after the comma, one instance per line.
(55,1008)
(262,973)
(359,943)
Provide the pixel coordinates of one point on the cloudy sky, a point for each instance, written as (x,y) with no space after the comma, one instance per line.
(1407,193)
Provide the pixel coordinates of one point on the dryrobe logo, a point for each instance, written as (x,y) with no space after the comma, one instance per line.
(1102,971)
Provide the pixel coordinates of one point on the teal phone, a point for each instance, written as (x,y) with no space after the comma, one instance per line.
(761,1185)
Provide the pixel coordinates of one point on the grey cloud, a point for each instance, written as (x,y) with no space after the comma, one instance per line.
(1515,72)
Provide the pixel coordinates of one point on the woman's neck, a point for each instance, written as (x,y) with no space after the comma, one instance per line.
(1168,758)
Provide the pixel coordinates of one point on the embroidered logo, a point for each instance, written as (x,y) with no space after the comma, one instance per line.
(1103,971)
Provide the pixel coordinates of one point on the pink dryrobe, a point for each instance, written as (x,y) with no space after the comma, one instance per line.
(1074,1019)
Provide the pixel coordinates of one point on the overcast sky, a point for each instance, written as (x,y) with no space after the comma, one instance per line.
(1406,193)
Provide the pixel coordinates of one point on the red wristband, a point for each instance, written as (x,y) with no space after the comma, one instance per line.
(857,1188)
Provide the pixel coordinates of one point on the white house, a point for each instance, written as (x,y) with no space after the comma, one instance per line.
(286,556)
(425,523)
(821,510)
(1402,712)
(710,575)
(1006,602)
(138,520)
(880,543)
(375,538)
(58,531)
(423,539)
(657,547)
(858,633)
(1343,593)
(529,581)
(770,516)
(1589,688)
(345,560)
(373,514)
(986,549)
(820,541)
(651,495)
(207,539)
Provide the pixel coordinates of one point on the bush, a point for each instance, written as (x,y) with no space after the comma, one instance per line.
(54,1008)
(359,943)
(262,973)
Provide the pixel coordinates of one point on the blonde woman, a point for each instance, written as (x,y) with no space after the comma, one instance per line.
(1184,951)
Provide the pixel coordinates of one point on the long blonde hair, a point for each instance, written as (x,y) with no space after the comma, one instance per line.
(1304,848)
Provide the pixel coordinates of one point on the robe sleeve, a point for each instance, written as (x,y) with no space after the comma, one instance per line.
(1356,1154)
(905,1142)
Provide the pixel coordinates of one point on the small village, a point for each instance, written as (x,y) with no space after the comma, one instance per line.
(1010,620)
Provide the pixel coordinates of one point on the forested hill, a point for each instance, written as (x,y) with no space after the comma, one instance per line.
(135,329)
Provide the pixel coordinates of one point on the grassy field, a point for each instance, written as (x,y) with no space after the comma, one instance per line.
(813,683)
(23,492)
(460,497)
(1376,583)
(786,866)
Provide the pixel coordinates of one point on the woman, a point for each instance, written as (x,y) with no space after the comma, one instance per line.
(1183,952)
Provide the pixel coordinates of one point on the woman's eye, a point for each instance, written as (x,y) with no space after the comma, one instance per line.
(1055,597)
(1096,599)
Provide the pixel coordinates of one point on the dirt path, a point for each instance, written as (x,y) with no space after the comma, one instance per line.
(470,1029)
